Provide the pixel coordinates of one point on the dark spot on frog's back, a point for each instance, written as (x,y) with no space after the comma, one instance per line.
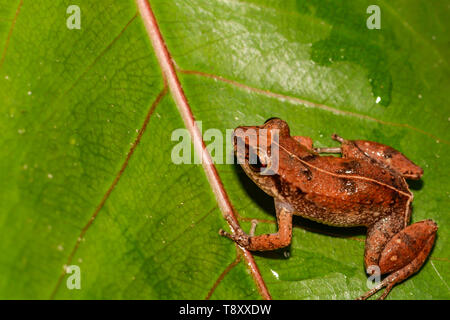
(406,239)
(348,186)
(396,181)
(388,152)
(349,167)
(306,172)
(309,157)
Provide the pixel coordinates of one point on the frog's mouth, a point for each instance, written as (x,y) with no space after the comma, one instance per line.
(251,159)
(255,165)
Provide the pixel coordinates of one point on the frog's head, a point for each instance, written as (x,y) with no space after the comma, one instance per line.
(256,149)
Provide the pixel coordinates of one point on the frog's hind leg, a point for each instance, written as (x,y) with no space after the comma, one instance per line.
(304,141)
(404,254)
(336,137)
(265,242)
(383,154)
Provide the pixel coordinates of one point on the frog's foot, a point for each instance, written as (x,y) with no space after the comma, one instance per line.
(328,150)
(238,235)
(404,255)
(264,242)
(334,136)
(375,289)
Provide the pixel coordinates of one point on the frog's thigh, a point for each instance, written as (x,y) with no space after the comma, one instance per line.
(304,141)
(378,236)
(277,240)
(404,254)
(413,241)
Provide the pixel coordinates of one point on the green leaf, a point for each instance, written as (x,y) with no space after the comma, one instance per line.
(85,179)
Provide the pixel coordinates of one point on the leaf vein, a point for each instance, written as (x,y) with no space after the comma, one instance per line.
(167,67)
(8,38)
(112,186)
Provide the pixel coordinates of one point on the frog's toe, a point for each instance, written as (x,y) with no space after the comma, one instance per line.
(240,237)
(336,137)
(372,291)
(327,150)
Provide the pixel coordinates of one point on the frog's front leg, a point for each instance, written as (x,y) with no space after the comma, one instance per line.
(400,256)
(265,242)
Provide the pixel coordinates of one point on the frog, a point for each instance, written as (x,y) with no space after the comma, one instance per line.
(365,187)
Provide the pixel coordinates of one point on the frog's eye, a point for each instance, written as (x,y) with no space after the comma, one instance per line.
(255,161)
(273,118)
(277,123)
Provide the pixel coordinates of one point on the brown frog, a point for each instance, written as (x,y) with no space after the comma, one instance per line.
(364,187)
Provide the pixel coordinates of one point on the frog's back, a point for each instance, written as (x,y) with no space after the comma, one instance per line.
(342,170)
(344,191)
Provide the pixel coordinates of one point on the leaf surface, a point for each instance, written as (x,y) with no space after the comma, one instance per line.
(74,102)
